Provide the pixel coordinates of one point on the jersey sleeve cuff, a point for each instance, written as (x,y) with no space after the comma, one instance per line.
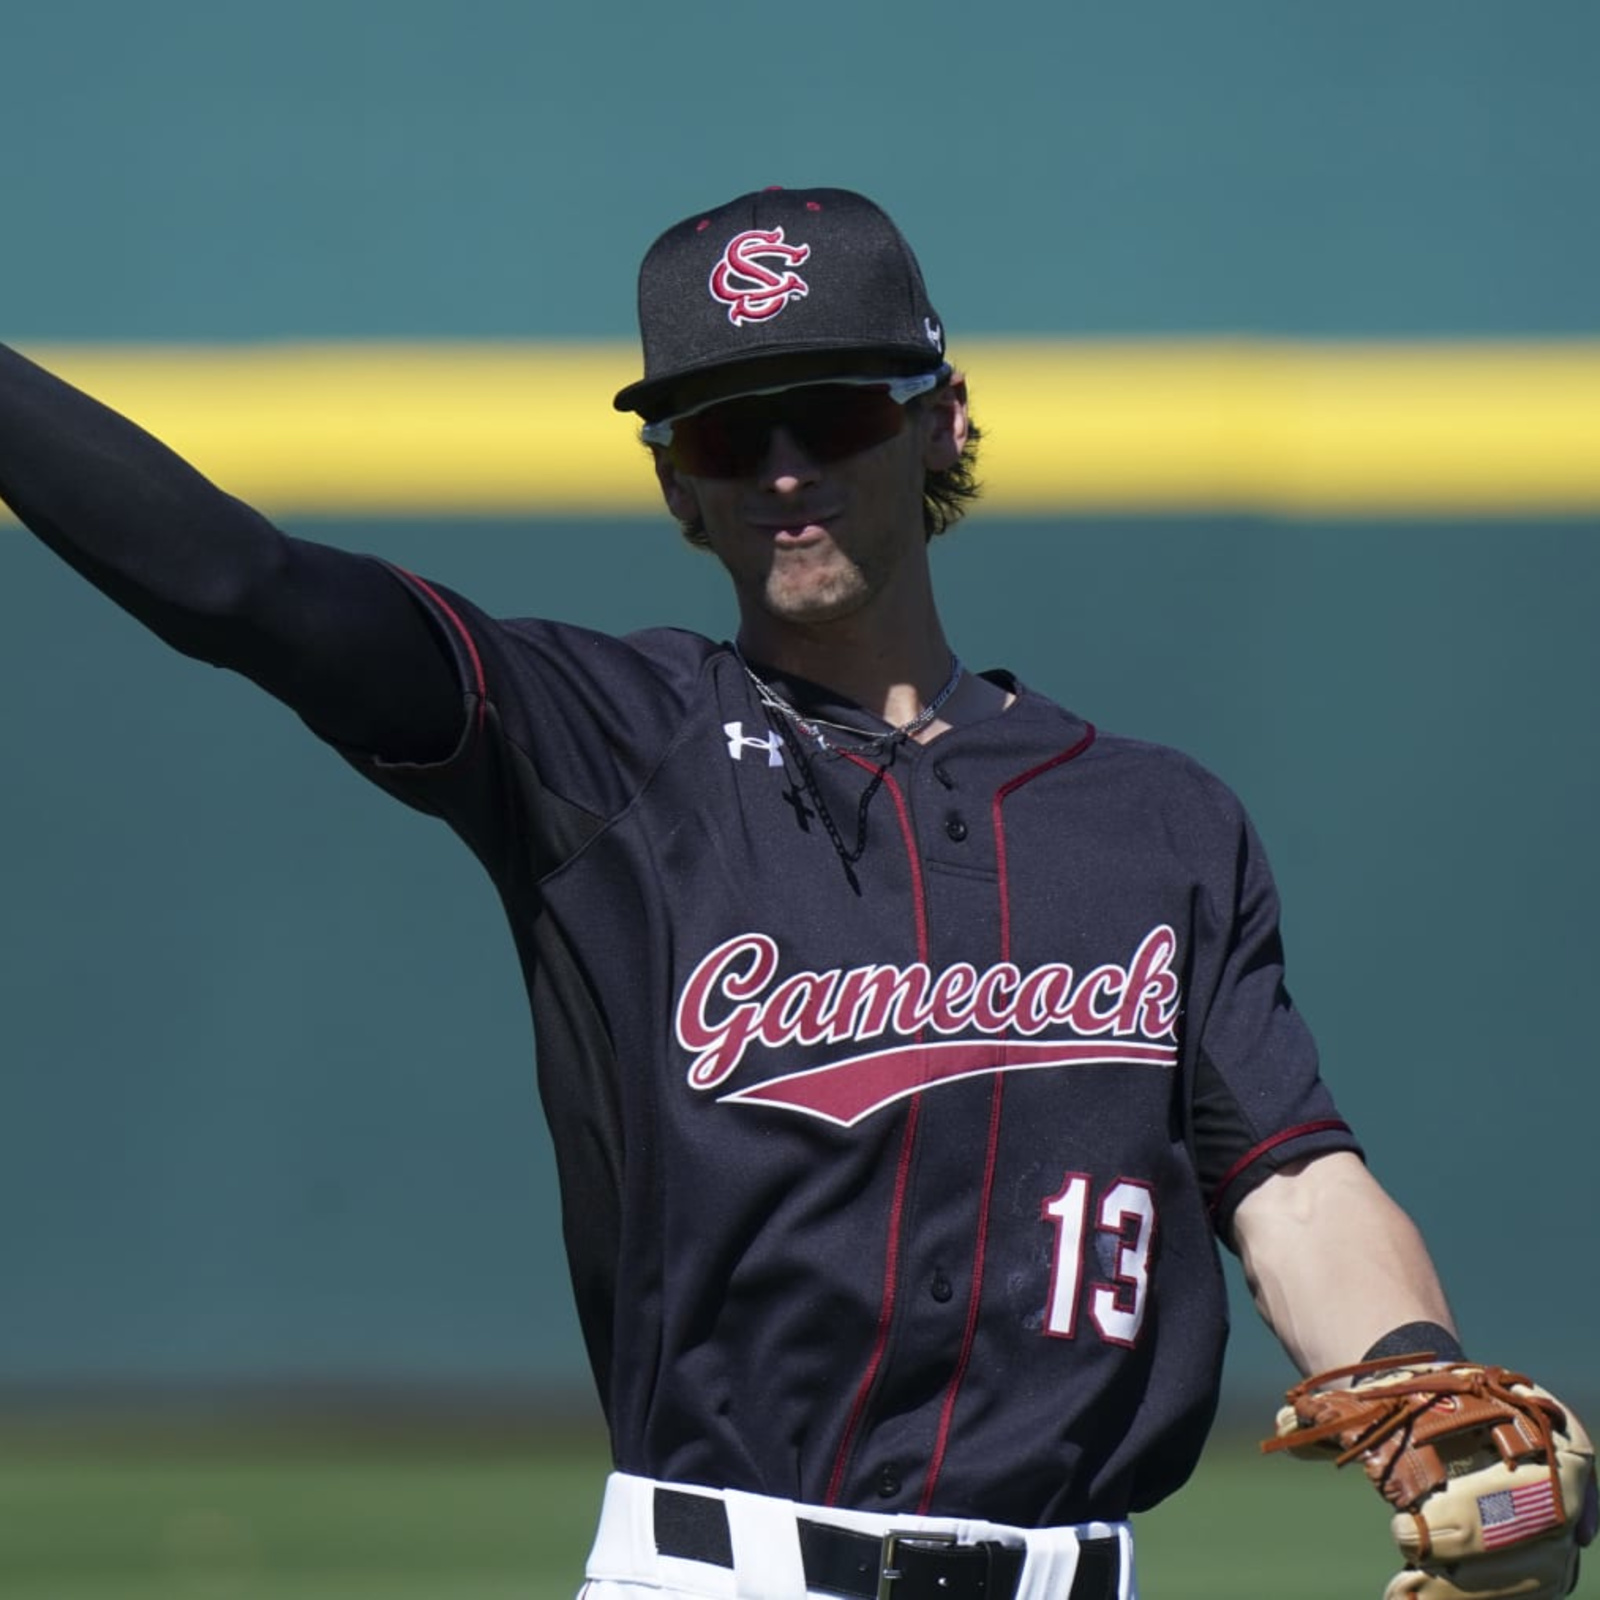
(1271,1155)
(416,782)
(469,663)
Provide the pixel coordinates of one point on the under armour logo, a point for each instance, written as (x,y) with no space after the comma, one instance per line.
(738,743)
(751,290)
(935,334)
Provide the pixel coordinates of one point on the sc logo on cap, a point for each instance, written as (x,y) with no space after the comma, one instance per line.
(750,289)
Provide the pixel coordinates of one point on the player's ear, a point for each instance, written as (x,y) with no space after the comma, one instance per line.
(945,411)
(676,490)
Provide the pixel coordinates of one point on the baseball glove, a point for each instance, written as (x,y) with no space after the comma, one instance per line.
(1491,1478)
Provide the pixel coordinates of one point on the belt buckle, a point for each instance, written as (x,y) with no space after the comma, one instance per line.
(889,1572)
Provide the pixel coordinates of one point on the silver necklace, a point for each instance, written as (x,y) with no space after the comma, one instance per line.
(864,743)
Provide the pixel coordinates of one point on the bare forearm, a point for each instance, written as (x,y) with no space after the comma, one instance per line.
(1334,1263)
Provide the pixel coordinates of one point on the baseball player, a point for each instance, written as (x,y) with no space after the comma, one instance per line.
(908,1043)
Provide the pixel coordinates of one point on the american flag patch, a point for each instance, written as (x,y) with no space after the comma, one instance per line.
(1512,1514)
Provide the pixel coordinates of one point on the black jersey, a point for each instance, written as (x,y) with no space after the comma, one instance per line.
(898,1102)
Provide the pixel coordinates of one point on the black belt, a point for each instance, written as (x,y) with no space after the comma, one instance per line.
(898,1566)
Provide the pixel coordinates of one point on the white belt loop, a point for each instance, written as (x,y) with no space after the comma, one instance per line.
(765,1533)
(1128,1588)
(1050,1564)
(624,1548)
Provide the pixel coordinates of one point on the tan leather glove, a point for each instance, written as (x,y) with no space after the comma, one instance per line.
(1491,1478)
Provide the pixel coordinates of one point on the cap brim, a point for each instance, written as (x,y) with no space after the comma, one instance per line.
(655,398)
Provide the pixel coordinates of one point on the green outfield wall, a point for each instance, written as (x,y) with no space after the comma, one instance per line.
(1288,320)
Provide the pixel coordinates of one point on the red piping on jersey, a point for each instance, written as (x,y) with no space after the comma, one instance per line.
(980,1249)
(902,1176)
(1004,793)
(969,1334)
(444,605)
(880,1343)
(919,899)
(1327,1125)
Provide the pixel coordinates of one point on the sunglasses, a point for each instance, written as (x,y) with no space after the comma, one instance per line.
(830,421)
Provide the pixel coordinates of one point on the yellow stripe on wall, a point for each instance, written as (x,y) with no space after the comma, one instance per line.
(499,429)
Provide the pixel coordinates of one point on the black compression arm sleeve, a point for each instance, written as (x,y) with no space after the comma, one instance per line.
(334,635)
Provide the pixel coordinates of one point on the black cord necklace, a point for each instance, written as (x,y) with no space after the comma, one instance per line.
(879,749)
(863,743)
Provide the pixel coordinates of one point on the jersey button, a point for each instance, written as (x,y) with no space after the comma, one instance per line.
(888,1483)
(956,827)
(941,1288)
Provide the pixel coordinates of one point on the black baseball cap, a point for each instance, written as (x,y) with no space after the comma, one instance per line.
(781,272)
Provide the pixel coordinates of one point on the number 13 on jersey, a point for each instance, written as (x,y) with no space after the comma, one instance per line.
(1127,1215)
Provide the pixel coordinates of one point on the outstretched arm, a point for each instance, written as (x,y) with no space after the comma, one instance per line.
(334,635)
(1334,1264)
